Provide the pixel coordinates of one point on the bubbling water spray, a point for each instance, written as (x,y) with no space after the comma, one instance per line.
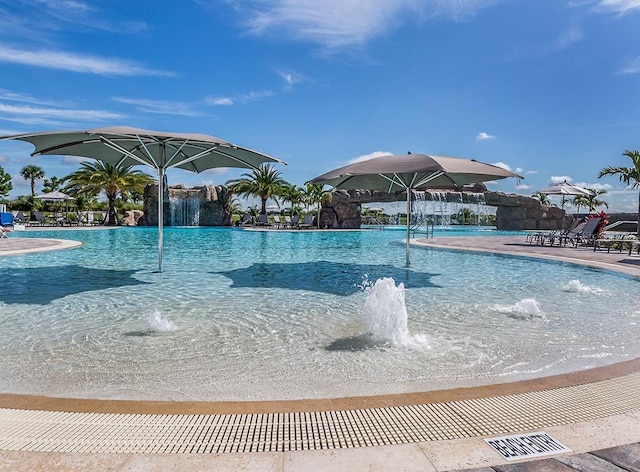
(578,287)
(158,322)
(386,313)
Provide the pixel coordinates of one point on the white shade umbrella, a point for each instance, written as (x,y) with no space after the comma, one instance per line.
(56,195)
(411,172)
(564,189)
(125,146)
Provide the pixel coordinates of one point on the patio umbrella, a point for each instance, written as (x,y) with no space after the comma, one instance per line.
(565,189)
(56,196)
(411,172)
(121,145)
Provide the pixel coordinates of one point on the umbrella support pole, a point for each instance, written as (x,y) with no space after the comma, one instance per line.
(408,223)
(160,215)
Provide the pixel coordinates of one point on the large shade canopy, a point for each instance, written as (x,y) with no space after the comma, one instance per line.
(125,146)
(411,172)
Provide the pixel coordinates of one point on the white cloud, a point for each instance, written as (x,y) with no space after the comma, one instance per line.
(242,99)
(482,136)
(160,106)
(291,78)
(523,187)
(74,62)
(558,179)
(617,6)
(219,101)
(343,23)
(59,113)
(632,66)
(255,96)
(503,165)
(572,35)
(366,157)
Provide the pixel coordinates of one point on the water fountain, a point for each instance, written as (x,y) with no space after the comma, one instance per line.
(198,206)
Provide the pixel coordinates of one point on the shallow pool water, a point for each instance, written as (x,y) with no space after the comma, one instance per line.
(244,315)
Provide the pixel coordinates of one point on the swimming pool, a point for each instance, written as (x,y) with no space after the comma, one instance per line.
(245,315)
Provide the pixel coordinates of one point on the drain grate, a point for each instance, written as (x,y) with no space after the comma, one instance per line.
(53,431)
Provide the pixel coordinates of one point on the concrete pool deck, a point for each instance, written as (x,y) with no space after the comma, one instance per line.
(594,413)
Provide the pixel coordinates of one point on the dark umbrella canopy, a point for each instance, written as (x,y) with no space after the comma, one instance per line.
(410,172)
(125,146)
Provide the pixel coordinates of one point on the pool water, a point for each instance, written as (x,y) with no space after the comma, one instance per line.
(248,315)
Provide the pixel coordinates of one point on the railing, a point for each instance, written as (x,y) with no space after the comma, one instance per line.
(619,223)
(425,227)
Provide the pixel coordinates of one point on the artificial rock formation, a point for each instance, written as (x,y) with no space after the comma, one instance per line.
(514,212)
(132,217)
(210,204)
(519,212)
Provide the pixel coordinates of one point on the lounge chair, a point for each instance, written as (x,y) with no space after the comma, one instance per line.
(18,217)
(246,219)
(307,222)
(295,221)
(37,218)
(584,236)
(558,235)
(276,221)
(263,220)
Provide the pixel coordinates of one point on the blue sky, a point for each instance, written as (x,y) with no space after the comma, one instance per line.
(549,88)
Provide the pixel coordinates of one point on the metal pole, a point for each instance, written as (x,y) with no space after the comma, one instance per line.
(408,222)
(160,215)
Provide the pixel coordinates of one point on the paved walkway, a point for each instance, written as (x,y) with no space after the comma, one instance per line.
(595,414)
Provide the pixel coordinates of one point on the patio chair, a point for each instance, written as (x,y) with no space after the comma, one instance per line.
(263,220)
(561,235)
(584,236)
(307,222)
(37,218)
(295,221)
(246,219)
(18,217)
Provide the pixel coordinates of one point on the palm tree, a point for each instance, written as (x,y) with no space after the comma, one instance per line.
(313,194)
(96,177)
(264,183)
(542,197)
(592,200)
(580,201)
(32,173)
(628,175)
(293,194)
(52,184)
